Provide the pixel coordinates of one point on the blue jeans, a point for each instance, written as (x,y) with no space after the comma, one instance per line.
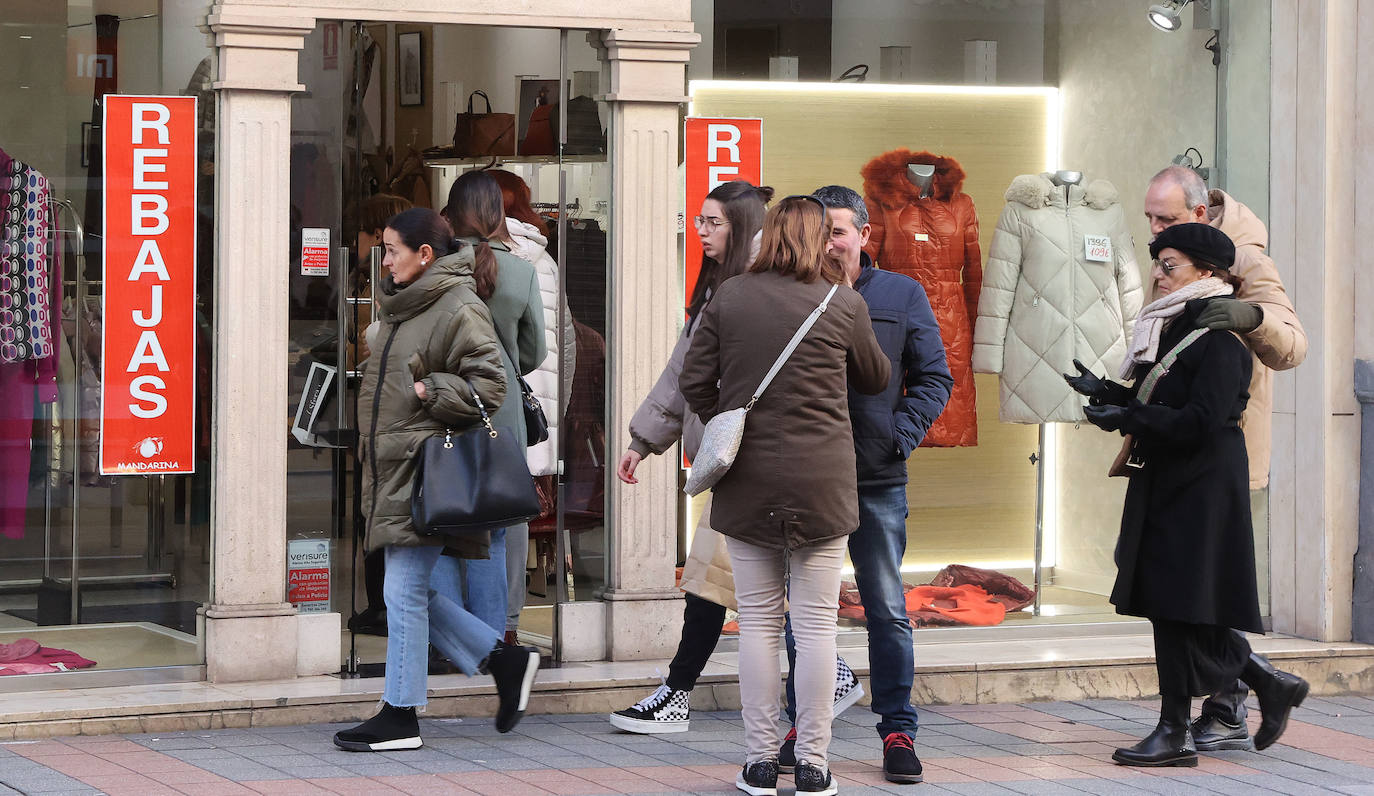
(478,585)
(418,615)
(876,549)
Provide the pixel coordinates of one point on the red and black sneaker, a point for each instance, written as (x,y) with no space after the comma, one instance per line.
(900,763)
(787,755)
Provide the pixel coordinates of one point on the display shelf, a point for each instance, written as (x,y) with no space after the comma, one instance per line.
(538,160)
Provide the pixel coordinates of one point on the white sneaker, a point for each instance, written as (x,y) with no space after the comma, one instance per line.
(665,710)
(848,689)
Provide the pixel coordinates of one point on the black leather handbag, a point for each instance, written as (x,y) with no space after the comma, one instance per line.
(473,481)
(536,424)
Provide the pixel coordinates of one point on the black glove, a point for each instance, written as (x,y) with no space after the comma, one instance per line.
(1099,391)
(1107,418)
(1231,314)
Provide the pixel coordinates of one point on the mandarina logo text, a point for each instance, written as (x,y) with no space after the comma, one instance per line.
(145,467)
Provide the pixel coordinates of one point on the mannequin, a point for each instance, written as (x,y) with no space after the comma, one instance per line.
(921,175)
(1062,285)
(926,227)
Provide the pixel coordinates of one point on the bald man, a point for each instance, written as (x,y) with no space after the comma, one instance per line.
(1264,318)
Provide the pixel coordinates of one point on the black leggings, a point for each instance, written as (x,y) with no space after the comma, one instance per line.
(701,624)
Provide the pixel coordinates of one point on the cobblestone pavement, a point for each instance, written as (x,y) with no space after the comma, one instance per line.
(1037,748)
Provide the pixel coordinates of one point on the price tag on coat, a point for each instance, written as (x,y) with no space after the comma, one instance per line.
(1097,248)
(920,237)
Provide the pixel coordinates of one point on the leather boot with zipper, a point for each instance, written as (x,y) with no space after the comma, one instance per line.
(1278,693)
(1171,744)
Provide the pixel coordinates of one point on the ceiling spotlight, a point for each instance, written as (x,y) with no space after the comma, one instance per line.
(1165,16)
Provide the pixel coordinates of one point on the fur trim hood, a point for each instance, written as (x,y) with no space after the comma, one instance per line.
(1037,190)
(885,177)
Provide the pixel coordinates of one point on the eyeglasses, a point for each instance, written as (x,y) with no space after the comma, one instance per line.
(1168,267)
(709,223)
(806,196)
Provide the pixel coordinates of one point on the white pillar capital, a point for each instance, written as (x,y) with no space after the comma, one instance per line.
(644,65)
(258,52)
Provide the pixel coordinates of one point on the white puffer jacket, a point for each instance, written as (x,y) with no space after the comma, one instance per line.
(528,243)
(1047,299)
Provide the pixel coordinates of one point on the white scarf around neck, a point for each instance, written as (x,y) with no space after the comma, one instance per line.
(1150,323)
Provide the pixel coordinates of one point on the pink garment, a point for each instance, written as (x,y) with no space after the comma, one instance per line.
(16,431)
(16,650)
(44,660)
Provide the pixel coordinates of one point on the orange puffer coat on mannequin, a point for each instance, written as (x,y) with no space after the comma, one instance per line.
(935,241)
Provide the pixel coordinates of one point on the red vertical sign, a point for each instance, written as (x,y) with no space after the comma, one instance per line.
(148,366)
(717,151)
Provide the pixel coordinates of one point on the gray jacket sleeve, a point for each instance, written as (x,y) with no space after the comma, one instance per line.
(657,423)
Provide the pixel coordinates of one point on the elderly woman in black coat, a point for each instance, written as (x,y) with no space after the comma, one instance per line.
(1185,557)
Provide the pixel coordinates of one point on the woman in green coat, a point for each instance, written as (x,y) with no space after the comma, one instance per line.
(435,348)
(510,287)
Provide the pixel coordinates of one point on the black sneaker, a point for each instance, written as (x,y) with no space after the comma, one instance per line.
(371,622)
(848,690)
(759,779)
(1211,734)
(900,763)
(811,778)
(391,729)
(665,710)
(513,669)
(787,755)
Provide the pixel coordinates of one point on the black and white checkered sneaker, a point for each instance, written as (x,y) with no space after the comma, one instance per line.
(848,690)
(665,710)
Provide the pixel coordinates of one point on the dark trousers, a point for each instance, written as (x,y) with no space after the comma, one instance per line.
(701,624)
(1197,660)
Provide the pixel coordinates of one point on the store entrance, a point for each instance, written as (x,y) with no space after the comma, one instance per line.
(374,134)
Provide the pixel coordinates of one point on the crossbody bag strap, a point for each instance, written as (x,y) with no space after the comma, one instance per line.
(792,345)
(1147,387)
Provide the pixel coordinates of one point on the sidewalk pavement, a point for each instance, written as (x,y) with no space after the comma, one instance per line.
(1036,748)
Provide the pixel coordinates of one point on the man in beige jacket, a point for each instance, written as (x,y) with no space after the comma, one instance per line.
(1264,318)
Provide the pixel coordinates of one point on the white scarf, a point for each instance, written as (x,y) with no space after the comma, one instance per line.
(1150,323)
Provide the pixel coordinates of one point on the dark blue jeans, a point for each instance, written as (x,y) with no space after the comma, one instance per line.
(876,549)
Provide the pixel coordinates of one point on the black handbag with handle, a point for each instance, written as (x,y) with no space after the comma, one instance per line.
(473,481)
(536,424)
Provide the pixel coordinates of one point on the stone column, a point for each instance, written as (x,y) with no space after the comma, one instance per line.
(646,75)
(250,629)
(1315,167)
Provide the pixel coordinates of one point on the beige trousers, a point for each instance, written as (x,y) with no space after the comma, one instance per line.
(809,580)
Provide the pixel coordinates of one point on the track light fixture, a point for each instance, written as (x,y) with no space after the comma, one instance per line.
(1165,16)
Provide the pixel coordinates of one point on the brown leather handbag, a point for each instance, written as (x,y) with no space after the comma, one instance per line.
(478,135)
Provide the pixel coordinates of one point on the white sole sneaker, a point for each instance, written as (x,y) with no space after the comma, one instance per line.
(647,726)
(380,746)
(528,683)
(849,700)
(752,790)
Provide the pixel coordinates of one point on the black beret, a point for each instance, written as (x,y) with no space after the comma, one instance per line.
(1202,242)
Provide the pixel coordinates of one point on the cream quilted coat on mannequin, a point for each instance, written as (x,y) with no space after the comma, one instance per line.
(1048,300)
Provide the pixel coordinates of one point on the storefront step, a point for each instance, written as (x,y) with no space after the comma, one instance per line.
(947,672)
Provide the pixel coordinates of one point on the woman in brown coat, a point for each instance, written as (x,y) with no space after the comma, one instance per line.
(790,501)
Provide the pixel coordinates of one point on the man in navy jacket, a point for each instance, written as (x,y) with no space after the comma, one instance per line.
(887,428)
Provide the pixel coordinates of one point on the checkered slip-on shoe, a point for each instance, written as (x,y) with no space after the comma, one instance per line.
(665,710)
(848,690)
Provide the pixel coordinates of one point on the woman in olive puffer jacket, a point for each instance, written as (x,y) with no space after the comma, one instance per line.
(435,347)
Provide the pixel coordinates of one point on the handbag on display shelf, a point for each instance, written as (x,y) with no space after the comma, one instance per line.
(1127,462)
(473,481)
(483,134)
(721,439)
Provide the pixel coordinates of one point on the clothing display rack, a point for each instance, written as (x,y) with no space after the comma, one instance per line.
(156,521)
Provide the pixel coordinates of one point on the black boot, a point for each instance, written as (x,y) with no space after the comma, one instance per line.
(391,729)
(1171,744)
(1278,693)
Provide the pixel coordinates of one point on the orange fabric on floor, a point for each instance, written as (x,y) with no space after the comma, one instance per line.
(966,604)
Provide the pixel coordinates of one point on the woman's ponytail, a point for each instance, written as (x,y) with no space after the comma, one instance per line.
(484,269)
